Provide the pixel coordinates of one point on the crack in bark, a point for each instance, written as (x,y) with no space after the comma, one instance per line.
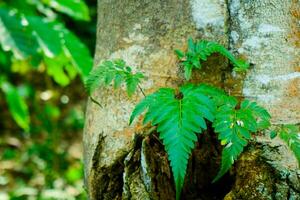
(105,183)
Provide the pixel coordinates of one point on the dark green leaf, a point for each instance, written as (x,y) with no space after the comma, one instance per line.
(273,134)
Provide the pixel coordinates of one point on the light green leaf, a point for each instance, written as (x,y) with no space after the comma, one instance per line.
(57,68)
(74,8)
(77,52)
(17,105)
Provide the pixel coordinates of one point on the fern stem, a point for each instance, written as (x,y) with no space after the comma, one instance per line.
(141,89)
(95,101)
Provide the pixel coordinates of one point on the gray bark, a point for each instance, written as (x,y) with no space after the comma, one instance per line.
(122,163)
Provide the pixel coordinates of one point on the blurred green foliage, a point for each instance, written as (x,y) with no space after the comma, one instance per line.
(45,54)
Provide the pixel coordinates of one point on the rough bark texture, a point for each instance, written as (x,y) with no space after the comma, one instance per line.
(122,163)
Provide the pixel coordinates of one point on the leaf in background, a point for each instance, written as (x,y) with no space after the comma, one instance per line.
(51,111)
(291,135)
(78,53)
(24,36)
(56,69)
(71,71)
(178,120)
(4,61)
(74,8)
(20,66)
(47,37)
(24,6)
(17,105)
(15,35)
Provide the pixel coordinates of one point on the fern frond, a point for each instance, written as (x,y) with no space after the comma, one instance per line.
(217,95)
(178,120)
(291,135)
(113,71)
(234,128)
(261,115)
(200,51)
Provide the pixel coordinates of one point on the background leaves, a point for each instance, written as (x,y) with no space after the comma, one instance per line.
(45,52)
(17,105)
(43,41)
(75,9)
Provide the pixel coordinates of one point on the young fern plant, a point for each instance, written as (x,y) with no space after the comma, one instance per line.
(181,115)
(113,71)
(200,51)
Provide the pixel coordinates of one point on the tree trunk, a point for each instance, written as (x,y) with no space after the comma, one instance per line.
(122,163)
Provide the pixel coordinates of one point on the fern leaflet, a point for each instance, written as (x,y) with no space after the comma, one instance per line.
(261,115)
(178,119)
(291,135)
(200,51)
(234,128)
(113,71)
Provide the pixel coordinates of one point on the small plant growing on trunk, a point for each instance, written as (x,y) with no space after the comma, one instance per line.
(179,115)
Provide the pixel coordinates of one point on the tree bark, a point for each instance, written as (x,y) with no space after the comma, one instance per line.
(122,162)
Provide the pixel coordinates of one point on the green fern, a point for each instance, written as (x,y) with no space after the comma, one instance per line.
(234,128)
(200,51)
(180,116)
(218,96)
(261,115)
(178,119)
(113,71)
(291,135)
